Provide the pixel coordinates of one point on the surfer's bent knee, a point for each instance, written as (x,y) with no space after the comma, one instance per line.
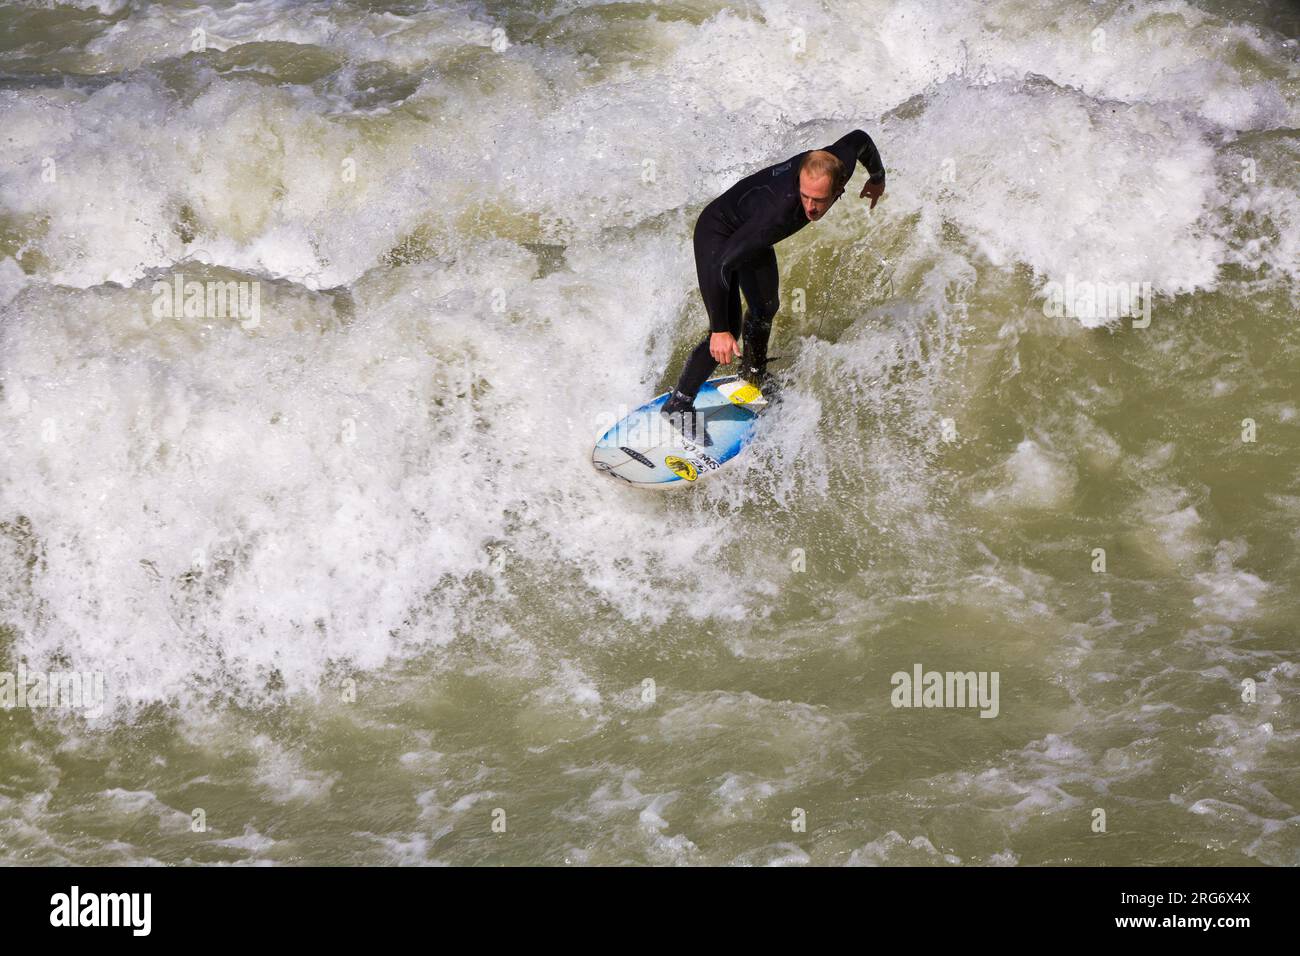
(765,314)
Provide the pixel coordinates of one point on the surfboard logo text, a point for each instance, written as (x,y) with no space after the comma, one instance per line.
(633,453)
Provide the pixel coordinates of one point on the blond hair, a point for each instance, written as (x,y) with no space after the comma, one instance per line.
(819,163)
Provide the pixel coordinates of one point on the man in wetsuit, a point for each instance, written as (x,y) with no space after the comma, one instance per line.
(733,253)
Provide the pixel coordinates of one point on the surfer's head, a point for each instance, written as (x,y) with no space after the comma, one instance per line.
(821,180)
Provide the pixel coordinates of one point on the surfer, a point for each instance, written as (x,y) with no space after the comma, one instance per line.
(733,254)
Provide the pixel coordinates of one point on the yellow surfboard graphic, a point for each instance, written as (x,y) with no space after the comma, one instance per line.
(745,394)
(681,467)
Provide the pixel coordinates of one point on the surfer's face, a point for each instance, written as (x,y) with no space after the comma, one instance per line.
(816,196)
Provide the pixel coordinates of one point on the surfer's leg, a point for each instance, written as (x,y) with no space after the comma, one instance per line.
(700,364)
(680,407)
(721,304)
(760,281)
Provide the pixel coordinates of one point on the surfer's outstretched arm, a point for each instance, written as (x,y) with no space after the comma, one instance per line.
(857,147)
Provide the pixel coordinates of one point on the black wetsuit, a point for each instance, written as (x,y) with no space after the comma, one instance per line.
(733,252)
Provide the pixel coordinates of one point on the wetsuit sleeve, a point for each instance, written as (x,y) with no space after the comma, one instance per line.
(857,147)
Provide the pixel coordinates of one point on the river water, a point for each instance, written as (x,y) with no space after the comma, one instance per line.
(354,592)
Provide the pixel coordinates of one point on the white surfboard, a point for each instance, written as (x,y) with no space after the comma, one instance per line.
(644,449)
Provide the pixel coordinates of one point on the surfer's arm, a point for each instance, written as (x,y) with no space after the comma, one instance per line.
(857,147)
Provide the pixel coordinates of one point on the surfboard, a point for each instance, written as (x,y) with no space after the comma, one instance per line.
(645,449)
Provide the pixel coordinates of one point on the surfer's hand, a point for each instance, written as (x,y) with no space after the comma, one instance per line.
(874,190)
(723,347)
